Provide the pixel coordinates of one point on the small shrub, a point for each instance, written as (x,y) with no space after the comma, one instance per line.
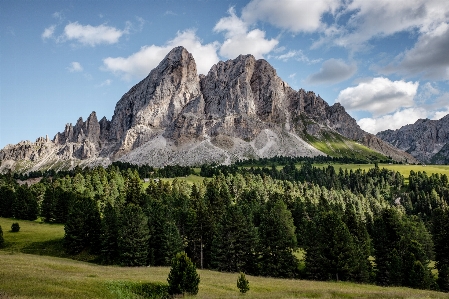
(2,241)
(243,283)
(183,277)
(15,227)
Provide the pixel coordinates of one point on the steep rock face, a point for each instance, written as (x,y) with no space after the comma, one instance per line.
(425,139)
(240,109)
(155,102)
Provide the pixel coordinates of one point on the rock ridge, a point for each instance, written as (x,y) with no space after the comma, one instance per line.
(240,109)
(427,140)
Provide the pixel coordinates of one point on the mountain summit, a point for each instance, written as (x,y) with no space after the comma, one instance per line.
(427,140)
(240,109)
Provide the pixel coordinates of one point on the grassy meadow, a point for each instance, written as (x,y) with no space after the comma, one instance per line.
(32,267)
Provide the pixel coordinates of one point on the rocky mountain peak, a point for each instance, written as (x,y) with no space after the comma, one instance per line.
(240,109)
(426,140)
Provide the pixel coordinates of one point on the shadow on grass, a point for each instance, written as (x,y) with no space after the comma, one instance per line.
(152,290)
(55,248)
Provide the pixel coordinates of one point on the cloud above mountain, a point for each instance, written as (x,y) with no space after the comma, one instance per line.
(140,63)
(379,96)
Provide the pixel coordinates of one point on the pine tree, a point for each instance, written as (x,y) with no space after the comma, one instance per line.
(7,201)
(83,226)
(277,241)
(183,277)
(25,205)
(165,240)
(234,244)
(332,255)
(133,235)
(133,190)
(109,235)
(440,230)
(48,204)
(387,234)
(362,243)
(242,283)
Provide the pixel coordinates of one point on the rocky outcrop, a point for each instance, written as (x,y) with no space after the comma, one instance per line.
(240,109)
(427,140)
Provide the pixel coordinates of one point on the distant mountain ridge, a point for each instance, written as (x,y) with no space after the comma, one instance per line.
(240,109)
(427,140)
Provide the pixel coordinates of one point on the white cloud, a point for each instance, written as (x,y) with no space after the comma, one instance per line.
(385,17)
(58,15)
(293,15)
(298,55)
(241,41)
(106,82)
(379,96)
(92,35)
(48,32)
(139,64)
(429,56)
(333,71)
(392,121)
(75,67)
(440,114)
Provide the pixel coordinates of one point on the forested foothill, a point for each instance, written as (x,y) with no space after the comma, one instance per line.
(294,221)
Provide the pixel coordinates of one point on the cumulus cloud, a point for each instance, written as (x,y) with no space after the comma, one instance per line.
(392,121)
(92,35)
(333,71)
(139,64)
(440,114)
(292,15)
(429,56)
(241,41)
(384,17)
(379,96)
(75,67)
(48,32)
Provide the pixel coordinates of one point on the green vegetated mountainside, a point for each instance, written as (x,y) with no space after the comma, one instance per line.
(335,145)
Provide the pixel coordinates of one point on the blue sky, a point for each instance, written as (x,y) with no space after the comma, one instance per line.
(386,61)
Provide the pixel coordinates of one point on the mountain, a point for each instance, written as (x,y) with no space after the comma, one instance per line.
(427,140)
(240,109)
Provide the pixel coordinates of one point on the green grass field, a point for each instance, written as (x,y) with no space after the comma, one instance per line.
(38,275)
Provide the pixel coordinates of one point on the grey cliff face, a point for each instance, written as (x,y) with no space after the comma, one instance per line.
(240,109)
(427,140)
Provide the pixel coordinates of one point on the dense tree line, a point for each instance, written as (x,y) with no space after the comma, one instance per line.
(363,226)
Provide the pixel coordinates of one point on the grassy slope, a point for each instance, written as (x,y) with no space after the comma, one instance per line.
(336,145)
(41,276)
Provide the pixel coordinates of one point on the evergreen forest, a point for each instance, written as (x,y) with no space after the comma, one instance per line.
(291,221)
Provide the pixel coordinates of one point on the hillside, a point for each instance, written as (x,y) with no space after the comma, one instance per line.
(241,109)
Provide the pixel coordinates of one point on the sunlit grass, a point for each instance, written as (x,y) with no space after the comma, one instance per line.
(32,276)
